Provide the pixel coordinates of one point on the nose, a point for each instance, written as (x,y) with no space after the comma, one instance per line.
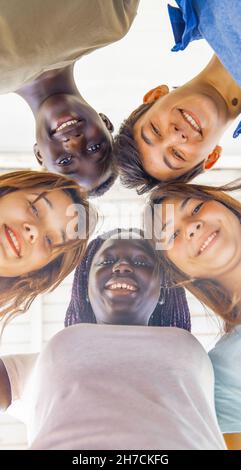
(30,233)
(73,140)
(193,229)
(122,266)
(178,133)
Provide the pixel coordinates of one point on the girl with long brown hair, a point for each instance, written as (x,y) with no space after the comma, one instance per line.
(39,245)
(202,243)
(198,230)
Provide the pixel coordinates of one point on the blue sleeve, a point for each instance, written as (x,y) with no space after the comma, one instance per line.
(226,360)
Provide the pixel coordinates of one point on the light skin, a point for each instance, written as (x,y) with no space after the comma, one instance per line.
(129,263)
(207,234)
(221,259)
(78,148)
(183,128)
(30,229)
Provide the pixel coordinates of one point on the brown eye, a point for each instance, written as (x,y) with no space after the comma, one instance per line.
(197,208)
(34,209)
(155,130)
(64,161)
(49,241)
(177,154)
(106,261)
(93,148)
(174,236)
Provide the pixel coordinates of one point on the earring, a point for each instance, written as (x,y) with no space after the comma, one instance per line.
(162,299)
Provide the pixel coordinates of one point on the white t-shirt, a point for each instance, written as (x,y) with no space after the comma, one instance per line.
(119,387)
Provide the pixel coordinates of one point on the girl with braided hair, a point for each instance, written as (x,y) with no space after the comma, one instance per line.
(111,382)
(170,310)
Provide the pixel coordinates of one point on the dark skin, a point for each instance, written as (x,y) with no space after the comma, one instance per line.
(131,264)
(72,138)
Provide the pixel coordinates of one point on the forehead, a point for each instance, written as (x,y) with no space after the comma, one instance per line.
(126,245)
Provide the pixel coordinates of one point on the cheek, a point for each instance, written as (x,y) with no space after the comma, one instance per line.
(178,255)
(94,283)
(152,286)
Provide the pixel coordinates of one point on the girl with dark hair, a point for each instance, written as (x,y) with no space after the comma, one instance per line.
(171,309)
(39,245)
(117,384)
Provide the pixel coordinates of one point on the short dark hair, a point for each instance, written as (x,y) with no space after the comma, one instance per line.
(109,163)
(103,187)
(132,173)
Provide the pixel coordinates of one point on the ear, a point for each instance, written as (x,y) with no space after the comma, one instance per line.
(156,93)
(38,155)
(213,157)
(107,122)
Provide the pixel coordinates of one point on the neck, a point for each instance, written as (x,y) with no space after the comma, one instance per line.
(217,81)
(60,81)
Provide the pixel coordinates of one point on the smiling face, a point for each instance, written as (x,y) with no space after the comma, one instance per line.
(179,131)
(73,140)
(124,282)
(205,241)
(29,230)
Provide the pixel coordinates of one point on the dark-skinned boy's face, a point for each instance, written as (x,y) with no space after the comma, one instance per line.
(73,140)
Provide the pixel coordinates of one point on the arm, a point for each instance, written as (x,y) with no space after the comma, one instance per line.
(15,372)
(233,441)
(5,388)
(226,360)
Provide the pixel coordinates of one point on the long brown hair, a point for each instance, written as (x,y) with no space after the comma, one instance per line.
(17,293)
(208,291)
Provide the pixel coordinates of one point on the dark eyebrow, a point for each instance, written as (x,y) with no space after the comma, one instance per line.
(145,138)
(43,196)
(184,202)
(63,236)
(49,203)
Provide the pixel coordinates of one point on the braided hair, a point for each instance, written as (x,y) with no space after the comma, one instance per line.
(171,310)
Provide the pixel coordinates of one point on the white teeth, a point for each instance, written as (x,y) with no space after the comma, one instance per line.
(121,286)
(66,124)
(191,121)
(14,240)
(206,243)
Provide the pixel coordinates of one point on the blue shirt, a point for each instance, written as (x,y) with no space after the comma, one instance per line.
(217,21)
(226,360)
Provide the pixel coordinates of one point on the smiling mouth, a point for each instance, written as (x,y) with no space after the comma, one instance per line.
(121,287)
(208,242)
(191,120)
(12,240)
(67,125)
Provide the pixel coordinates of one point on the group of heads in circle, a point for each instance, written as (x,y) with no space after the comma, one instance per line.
(169,139)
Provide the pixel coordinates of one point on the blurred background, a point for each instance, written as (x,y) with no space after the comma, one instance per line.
(113,80)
